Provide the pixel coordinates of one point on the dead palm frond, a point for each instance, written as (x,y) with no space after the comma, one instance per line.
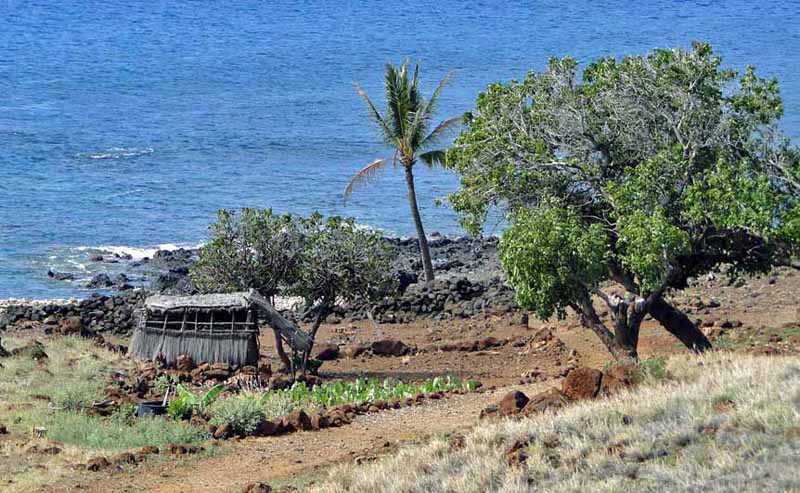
(365,175)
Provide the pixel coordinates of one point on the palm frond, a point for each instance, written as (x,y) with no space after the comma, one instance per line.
(376,116)
(364,175)
(433,102)
(433,158)
(440,131)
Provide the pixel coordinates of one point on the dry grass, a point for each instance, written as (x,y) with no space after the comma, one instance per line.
(726,422)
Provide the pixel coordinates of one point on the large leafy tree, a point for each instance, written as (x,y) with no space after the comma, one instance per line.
(406,126)
(635,177)
(323,261)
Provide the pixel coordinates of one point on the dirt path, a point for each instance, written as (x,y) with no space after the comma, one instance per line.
(272,458)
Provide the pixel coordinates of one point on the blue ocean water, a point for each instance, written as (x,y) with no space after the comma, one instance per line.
(128,124)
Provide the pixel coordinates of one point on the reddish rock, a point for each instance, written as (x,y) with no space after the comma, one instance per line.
(98,464)
(123,458)
(487,343)
(267,428)
(355,350)
(512,403)
(224,432)
(257,487)
(618,378)
(70,326)
(549,400)
(299,420)
(176,449)
(184,363)
(516,454)
(582,383)
(390,347)
(329,352)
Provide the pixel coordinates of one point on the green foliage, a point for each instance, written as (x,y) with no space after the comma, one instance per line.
(674,162)
(371,390)
(244,412)
(253,248)
(76,396)
(118,432)
(549,255)
(320,260)
(188,403)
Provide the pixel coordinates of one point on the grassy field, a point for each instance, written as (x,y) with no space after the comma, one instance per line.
(52,394)
(725,422)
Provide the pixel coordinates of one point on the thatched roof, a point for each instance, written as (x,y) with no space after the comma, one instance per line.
(225,301)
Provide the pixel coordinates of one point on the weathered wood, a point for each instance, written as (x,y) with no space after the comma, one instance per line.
(298,340)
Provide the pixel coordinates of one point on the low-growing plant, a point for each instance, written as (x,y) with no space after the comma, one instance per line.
(119,432)
(243,411)
(164,382)
(76,396)
(372,390)
(276,405)
(188,403)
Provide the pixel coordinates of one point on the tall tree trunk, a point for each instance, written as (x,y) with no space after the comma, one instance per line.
(679,325)
(423,240)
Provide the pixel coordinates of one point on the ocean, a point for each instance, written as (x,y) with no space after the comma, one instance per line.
(124,126)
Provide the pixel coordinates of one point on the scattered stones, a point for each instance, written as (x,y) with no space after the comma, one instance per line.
(32,350)
(297,420)
(100,281)
(177,449)
(124,458)
(582,383)
(60,276)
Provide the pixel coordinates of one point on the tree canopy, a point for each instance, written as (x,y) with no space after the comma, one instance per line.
(323,261)
(644,171)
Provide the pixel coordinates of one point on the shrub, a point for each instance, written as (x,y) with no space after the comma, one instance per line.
(76,396)
(243,412)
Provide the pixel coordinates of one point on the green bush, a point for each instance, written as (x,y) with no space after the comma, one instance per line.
(243,411)
(119,433)
(76,396)
(276,405)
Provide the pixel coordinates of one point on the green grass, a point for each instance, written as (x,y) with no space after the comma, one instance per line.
(76,396)
(119,433)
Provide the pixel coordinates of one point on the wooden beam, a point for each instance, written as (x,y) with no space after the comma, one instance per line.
(299,340)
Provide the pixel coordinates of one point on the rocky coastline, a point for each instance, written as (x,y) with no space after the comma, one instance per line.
(469,281)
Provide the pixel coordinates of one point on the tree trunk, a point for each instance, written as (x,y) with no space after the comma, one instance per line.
(423,240)
(322,314)
(287,364)
(679,325)
(623,353)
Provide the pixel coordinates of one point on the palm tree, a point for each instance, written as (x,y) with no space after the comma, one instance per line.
(405,127)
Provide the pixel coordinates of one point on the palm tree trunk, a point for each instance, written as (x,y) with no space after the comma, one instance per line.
(423,240)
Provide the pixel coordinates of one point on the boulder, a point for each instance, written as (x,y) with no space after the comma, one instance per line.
(60,276)
(184,363)
(298,420)
(99,281)
(124,458)
(223,432)
(390,347)
(355,350)
(618,378)
(582,383)
(329,352)
(512,403)
(70,326)
(549,400)
(266,428)
(98,464)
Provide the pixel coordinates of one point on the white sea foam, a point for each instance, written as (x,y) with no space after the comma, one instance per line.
(137,253)
(118,153)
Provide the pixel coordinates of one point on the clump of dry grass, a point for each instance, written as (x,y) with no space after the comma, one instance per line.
(724,422)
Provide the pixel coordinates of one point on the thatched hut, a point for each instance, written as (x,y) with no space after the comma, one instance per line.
(210,328)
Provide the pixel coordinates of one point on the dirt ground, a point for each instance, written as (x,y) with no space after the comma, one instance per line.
(526,361)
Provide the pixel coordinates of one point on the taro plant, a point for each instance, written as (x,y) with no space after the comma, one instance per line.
(187,403)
